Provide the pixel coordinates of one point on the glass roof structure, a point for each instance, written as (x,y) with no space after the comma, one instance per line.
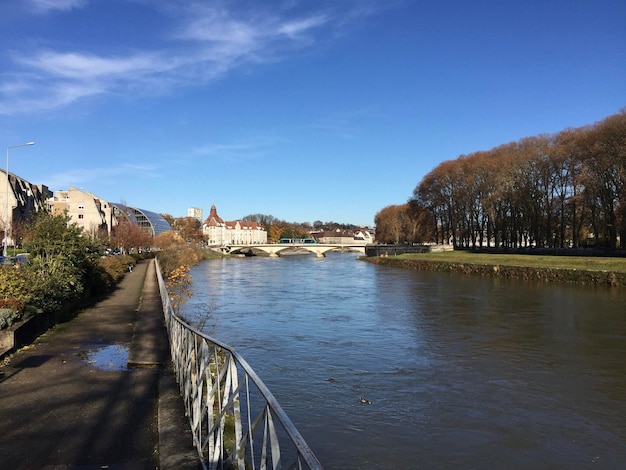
(144,219)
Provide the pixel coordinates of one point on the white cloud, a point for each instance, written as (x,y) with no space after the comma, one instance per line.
(58,79)
(84,67)
(27,96)
(296,28)
(208,42)
(44,6)
(217,25)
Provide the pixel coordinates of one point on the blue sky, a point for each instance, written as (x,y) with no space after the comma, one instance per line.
(305,110)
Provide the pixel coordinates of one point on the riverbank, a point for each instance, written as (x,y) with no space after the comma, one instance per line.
(600,271)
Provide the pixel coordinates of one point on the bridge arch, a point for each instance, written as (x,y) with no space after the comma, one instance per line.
(274,249)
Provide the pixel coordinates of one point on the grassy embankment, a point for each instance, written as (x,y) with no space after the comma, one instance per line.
(586,270)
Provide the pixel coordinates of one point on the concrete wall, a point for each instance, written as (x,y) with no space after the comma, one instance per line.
(394,250)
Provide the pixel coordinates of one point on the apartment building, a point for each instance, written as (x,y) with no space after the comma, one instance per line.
(88,211)
(19,201)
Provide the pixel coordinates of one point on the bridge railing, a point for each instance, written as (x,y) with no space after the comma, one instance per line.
(235,420)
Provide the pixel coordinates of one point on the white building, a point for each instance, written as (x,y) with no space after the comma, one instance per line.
(217,232)
(196,213)
(346,237)
(364,236)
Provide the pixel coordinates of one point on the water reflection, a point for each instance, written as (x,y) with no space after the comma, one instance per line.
(112,357)
(461,372)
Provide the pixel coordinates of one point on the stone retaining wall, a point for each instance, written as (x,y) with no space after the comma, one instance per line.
(394,250)
(25,332)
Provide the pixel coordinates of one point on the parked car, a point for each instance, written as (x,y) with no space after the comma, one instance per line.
(23,258)
(17,260)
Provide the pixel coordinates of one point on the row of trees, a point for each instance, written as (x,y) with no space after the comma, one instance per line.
(555,191)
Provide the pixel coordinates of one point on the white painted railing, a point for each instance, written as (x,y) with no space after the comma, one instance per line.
(236,421)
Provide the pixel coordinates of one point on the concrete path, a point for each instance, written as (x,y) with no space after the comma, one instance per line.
(97,392)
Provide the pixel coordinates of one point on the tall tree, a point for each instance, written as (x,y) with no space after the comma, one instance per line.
(189,228)
(127,236)
(389,224)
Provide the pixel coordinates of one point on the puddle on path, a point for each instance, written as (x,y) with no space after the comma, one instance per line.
(111,357)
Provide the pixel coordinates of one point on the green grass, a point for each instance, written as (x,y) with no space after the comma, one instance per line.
(588,263)
(210,254)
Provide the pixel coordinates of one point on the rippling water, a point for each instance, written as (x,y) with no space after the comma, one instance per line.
(461,372)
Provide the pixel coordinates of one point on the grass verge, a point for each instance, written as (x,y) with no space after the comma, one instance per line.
(587,263)
(585,270)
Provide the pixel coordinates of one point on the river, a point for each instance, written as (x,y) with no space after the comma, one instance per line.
(460,372)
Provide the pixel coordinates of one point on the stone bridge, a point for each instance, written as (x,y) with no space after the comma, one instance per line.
(275,249)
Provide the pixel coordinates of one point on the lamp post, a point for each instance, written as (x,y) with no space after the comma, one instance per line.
(7,225)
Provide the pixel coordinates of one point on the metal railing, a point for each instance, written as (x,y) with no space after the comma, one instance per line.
(235,420)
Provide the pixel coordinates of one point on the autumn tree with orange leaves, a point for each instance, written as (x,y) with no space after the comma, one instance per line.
(178,285)
(405,223)
(553,191)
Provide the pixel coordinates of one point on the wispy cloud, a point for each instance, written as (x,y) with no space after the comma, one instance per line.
(346,123)
(75,66)
(28,94)
(83,177)
(295,29)
(44,6)
(234,152)
(206,41)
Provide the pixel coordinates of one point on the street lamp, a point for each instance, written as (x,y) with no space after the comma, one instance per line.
(7,226)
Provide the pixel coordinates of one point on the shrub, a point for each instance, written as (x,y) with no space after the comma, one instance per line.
(61,258)
(179,287)
(175,256)
(55,284)
(8,316)
(15,284)
(11,303)
(116,266)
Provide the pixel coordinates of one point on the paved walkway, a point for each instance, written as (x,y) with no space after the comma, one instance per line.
(97,392)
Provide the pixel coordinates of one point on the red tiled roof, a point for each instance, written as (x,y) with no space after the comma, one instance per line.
(214,220)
